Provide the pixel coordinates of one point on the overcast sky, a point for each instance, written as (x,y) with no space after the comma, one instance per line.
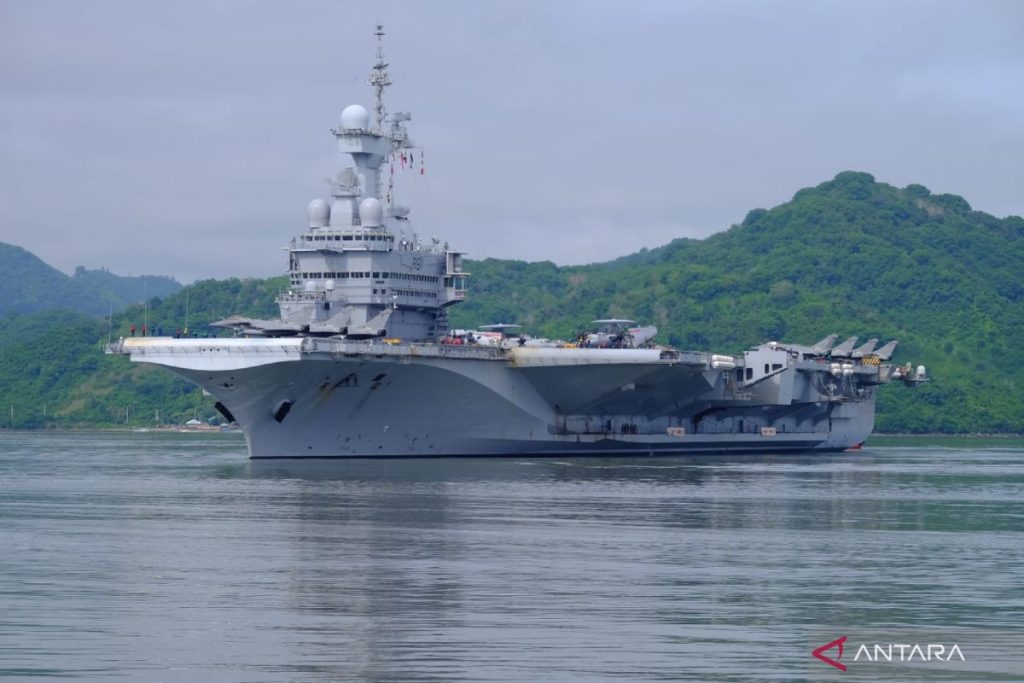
(186,138)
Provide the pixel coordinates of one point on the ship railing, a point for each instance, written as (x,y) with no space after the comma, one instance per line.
(175,348)
(340,347)
(168,346)
(380,349)
(301,296)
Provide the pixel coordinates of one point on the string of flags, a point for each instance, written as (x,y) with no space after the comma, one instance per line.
(405,162)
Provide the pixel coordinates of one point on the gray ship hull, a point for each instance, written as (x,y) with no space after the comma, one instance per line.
(333,399)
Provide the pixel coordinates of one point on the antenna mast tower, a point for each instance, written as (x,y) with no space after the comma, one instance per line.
(379,78)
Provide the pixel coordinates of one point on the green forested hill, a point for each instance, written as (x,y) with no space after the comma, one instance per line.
(53,372)
(851,256)
(28,285)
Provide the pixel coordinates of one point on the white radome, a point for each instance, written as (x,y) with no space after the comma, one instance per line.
(371,213)
(355,117)
(318,212)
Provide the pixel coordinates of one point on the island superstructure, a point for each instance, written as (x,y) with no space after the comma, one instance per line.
(362,361)
(358,269)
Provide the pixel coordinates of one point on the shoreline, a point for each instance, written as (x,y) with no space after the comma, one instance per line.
(951,435)
(182,429)
(219,430)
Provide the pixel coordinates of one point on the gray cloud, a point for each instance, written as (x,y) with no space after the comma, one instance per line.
(186,138)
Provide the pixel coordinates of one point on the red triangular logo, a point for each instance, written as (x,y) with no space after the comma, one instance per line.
(838,642)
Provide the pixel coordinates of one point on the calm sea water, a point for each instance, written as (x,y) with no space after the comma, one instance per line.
(171,557)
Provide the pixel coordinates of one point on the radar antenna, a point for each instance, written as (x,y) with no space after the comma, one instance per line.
(379,78)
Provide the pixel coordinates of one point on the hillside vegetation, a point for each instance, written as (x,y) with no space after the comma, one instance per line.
(851,256)
(28,285)
(53,372)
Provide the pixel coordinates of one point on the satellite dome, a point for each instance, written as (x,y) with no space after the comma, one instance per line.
(319,213)
(355,117)
(371,213)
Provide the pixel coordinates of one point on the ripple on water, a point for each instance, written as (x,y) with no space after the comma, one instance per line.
(171,557)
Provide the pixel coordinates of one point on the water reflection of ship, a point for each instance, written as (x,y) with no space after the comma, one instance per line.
(398,573)
(366,575)
(693,470)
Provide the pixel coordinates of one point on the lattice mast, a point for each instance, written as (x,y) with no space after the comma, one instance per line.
(380,79)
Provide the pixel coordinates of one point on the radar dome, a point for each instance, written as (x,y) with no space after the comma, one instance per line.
(319,213)
(355,117)
(371,213)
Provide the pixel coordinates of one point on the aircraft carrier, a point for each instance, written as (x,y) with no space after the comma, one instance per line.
(362,361)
